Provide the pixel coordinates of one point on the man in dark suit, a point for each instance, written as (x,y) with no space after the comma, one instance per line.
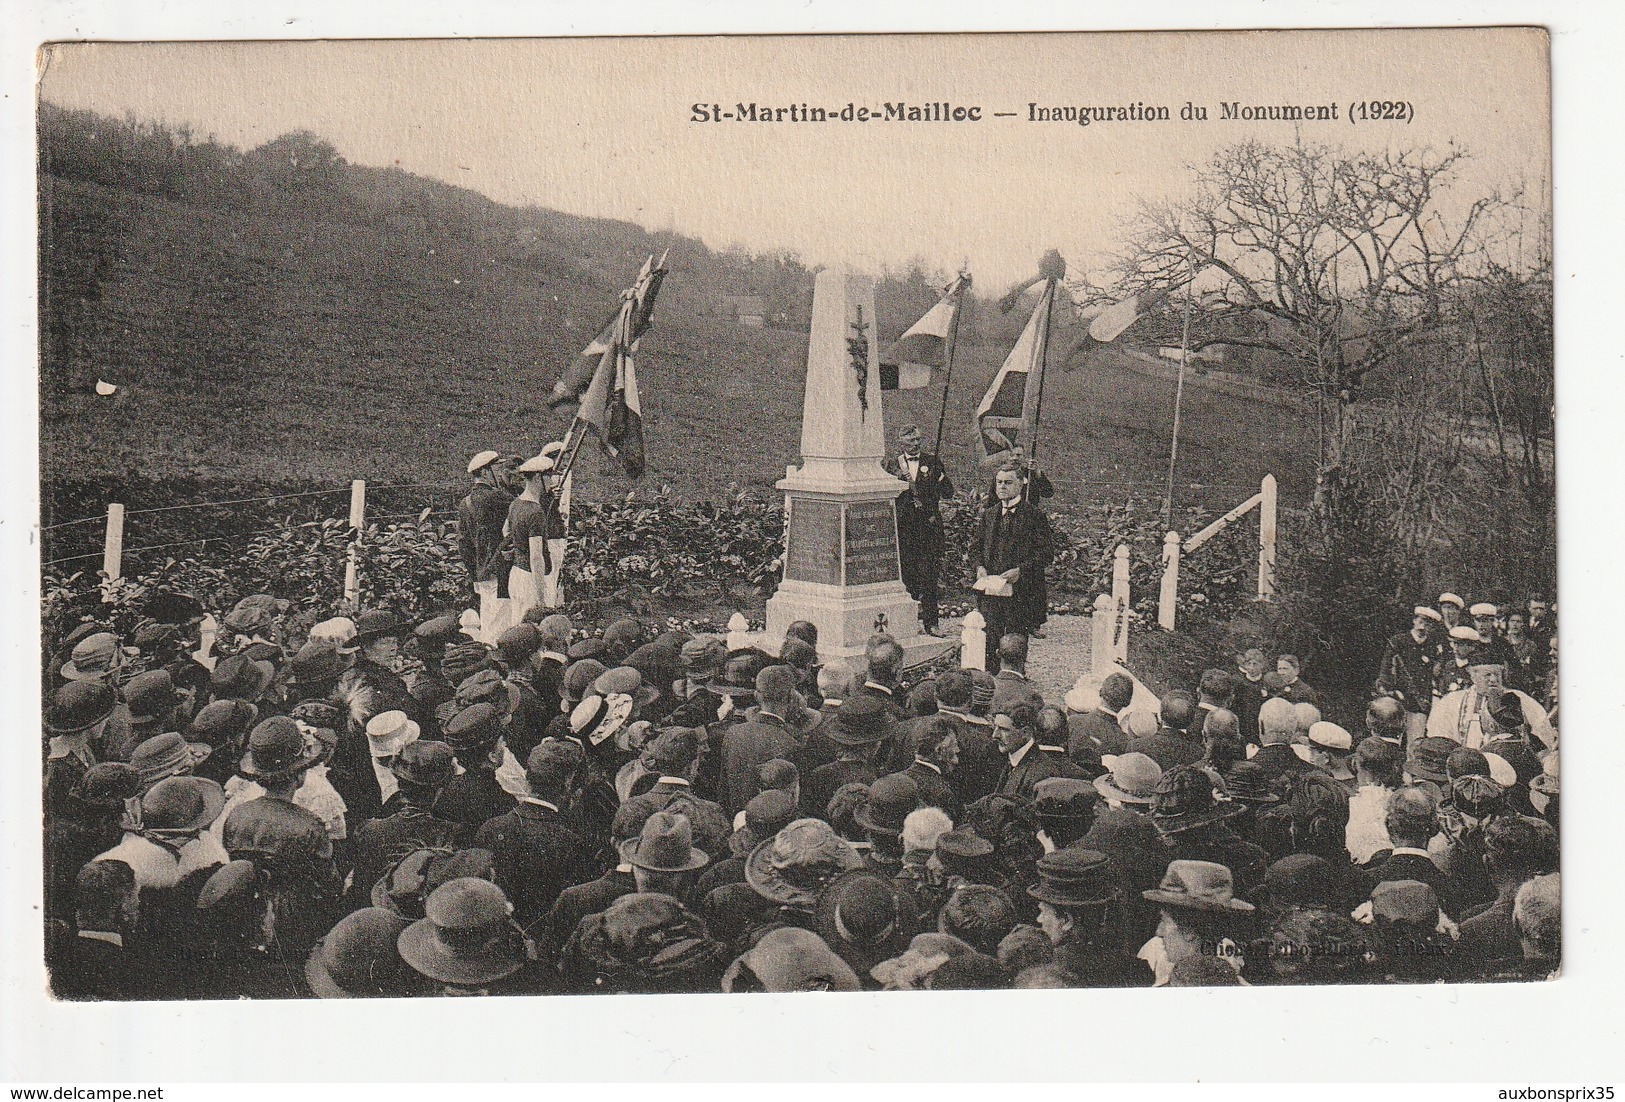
(1028,761)
(422,770)
(1276,726)
(883,661)
(860,729)
(935,758)
(919,522)
(1099,731)
(764,735)
(980,764)
(1013,540)
(91,961)
(1412,819)
(675,759)
(1012,683)
(536,851)
(1172,745)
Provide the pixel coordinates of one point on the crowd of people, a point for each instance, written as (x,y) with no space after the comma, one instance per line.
(382,808)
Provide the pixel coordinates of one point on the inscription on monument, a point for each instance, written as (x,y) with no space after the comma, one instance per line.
(813,544)
(871,543)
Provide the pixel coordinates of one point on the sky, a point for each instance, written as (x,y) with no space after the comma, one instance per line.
(605,126)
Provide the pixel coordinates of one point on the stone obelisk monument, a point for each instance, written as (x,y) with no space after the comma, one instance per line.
(841,570)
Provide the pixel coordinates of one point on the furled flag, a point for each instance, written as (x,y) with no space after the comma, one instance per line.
(576,378)
(1009,408)
(611,406)
(907,365)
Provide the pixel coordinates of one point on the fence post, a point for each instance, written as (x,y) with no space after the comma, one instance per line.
(1100,643)
(738,631)
(1266,539)
(1120,598)
(358,520)
(973,642)
(1167,598)
(113,546)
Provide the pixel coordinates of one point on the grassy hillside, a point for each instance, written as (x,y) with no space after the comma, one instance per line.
(285,345)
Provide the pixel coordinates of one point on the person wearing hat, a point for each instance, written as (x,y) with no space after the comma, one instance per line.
(789,871)
(865,919)
(372,683)
(481,515)
(1330,747)
(663,855)
(858,729)
(1077,895)
(980,915)
(223,727)
(767,813)
(764,734)
(1463,643)
(240,677)
(533,521)
(674,758)
(1193,823)
(1065,807)
(1487,622)
(98,657)
(388,733)
(537,849)
(961,857)
(1451,610)
(283,761)
(644,943)
(919,522)
(891,799)
(1379,768)
(88,959)
(518,650)
(467,942)
(153,707)
(698,703)
(359,959)
(475,795)
(168,838)
(78,715)
(168,755)
(1412,820)
(88,822)
(1028,760)
(421,770)
(1130,783)
(1410,663)
(918,878)
(790,959)
(1467,715)
(1199,916)
(428,682)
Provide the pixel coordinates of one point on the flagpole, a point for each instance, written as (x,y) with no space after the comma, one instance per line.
(572,444)
(1043,372)
(1179,395)
(948,349)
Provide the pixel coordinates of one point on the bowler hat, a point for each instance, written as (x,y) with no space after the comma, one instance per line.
(703,656)
(425,763)
(793,866)
(1133,778)
(891,798)
(476,727)
(223,722)
(674,749)
(277,748)
(1429,757)
(376,624)
(107,786)
(519,644)
(167,755)
(1074,877)
(317,663)
(95,657)
(861,720)
(358,957)
(438,631)
(665,844)
(1301,880)
(184,805)
(240,678)
(860,916)
(626,681)
(1197,886)
(1185,800)
(1064,799)
(150,695)
(958,849)
(79,706)
(765,815)
(578,678)
(466,935)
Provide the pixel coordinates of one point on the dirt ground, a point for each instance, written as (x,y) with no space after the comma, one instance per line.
(1056,660)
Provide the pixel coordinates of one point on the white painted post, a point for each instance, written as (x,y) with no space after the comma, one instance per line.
(358,520)
(1100,642)
(1266,539)
(973,642)
(738,632)
(1167,598)
(1120,597)
(113,546)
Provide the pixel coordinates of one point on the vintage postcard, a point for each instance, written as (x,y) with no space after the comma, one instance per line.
(864,513)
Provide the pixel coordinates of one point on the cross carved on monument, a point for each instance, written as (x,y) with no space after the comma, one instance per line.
(882,622)
(857,347)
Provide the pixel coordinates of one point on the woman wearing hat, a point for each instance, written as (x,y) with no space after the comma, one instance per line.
(646,943)
(468,944)
(1200,916)
(1077,894)
(87,822)
(165,834)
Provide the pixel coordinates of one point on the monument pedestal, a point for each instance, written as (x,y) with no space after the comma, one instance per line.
(841,568)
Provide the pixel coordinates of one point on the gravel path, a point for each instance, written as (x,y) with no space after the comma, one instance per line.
(1056,660)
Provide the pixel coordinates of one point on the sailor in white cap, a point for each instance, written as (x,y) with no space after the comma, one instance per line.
(1450,609)
(1487,622)
(550,583)
(529,526)
(480,517)
(1409,666)
(1452,675)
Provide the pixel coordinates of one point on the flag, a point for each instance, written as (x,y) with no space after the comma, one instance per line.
(612,406)
(1006,414)
(1111,322)
(923,346)
(641,297)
